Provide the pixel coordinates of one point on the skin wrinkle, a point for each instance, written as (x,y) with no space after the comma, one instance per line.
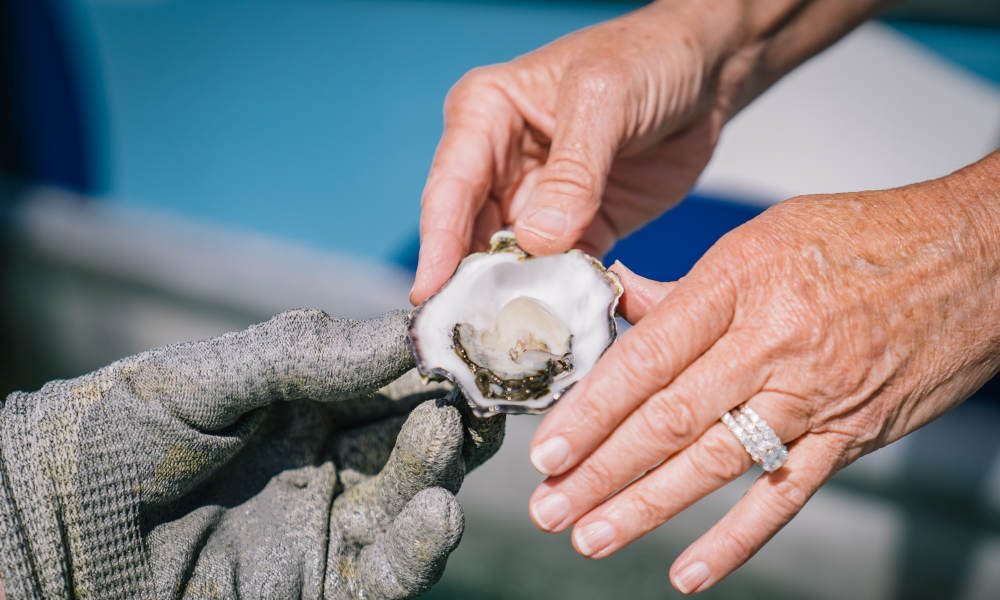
(536,81)
(890,340)
(857,300)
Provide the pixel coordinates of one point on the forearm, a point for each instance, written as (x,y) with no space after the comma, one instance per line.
(759,41)
(974,192)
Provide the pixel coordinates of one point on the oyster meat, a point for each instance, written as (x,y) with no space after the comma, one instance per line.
(514,331)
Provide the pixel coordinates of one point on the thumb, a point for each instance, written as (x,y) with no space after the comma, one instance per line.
(568,192)
(641,294)
(299,354)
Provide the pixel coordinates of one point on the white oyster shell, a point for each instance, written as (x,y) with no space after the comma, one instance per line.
(514,331)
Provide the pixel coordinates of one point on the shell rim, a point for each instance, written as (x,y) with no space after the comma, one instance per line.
(504,241)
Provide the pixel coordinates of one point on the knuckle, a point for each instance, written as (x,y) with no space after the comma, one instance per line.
(714,457)
(597,476)
(787,496)
(670,416)
(740,543)
(793,328)
(597,416)
(442,234)
(735,241)
(471,85)
(643,356)
(646,507)
(597,79)
(570,174)
(735,257)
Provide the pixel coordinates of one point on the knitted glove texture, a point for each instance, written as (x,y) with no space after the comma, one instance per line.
(296,459)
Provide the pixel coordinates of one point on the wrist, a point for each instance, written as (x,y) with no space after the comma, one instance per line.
(967,203)
(759,41)
(975,192)
(721,35)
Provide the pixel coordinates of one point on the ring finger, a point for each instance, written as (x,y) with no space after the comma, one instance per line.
(713,460)
(668,421)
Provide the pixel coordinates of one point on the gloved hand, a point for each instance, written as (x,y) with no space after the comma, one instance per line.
(259,464)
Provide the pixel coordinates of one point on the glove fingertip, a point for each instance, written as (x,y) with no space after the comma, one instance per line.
(386,335)
(440,511)
(411,556)
(430,444)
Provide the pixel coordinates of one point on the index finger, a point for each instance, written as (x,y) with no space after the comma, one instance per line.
(459,181)
(647,358)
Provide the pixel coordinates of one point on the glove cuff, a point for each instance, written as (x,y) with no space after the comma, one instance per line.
(16,567)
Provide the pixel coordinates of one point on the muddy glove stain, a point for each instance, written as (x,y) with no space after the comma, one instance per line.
(266,463)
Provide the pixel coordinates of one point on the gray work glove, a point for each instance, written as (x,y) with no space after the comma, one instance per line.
(259,464)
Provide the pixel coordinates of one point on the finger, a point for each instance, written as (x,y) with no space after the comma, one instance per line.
(483,436)
(641,294)
(640,363)
(713,460)
(299,354)
(772,501)
(361,453)
(399,397)
(427,453)
(410,556)
(589,129)
(488,222)
(668,421)
(458,183)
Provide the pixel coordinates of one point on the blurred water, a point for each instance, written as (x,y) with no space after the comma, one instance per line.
(314,121)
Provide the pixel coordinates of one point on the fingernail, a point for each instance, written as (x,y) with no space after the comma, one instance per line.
(549,456)
(550,511)
(546,223)
(691,577)
(594,537)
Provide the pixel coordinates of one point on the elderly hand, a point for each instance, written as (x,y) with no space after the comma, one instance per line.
(628,111)
(845,321)
(260,464)
(590,137)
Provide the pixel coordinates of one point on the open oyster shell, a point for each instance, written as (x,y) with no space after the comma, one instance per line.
(515,331)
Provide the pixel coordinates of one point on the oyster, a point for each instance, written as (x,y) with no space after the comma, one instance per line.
(515,331)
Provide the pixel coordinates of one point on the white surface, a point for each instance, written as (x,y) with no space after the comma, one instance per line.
(874,111)
(236,269)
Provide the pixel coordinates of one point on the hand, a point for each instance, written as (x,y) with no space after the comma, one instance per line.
(580,142)
(260,464)
(845,321)
(588,138)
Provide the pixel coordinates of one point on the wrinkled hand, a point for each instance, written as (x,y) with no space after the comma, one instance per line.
(260,464)
(580,142)
(845,321)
